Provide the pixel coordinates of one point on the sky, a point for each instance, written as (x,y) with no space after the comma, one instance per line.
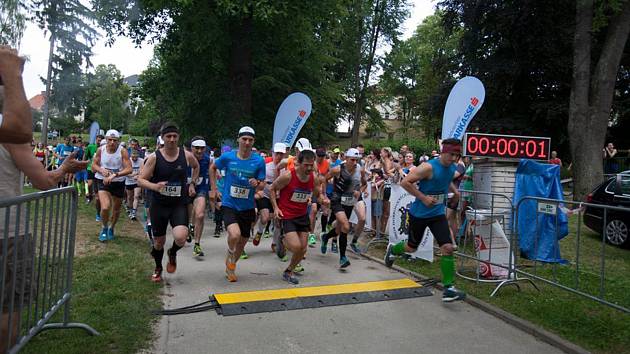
(131,60)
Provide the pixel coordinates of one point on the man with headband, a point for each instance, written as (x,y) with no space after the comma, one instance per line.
(244,176)
(164,173)
(198,214)
(430,183)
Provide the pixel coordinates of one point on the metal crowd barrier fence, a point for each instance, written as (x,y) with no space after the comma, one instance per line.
(582,266)
(37,235)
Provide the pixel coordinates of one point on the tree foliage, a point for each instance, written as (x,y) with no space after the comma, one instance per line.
(12,22)
(108,98)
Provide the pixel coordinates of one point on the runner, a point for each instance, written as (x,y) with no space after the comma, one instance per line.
(61,152)
(164,173)
(131,184)
(198,146)
(430,184)
(294,190)
(264,204)
(80,178)
(90,151)
(349,178)
(244,174)
(111,163)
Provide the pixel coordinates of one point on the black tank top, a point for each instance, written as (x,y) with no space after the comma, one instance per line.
(175,175)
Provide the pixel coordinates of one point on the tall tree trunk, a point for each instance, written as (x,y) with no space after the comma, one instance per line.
(592,94)
(47,98)
(240,69)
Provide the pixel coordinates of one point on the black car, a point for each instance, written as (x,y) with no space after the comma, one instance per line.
(615,191)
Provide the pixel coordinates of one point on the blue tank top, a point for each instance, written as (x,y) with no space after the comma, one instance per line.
(437,186)
(203,180)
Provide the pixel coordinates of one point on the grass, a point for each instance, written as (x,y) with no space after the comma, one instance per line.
(596,327)
(111,292)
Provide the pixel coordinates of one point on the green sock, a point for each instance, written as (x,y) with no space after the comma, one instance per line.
(399,248)
(447,266)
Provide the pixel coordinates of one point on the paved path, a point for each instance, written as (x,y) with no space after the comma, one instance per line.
(420,325)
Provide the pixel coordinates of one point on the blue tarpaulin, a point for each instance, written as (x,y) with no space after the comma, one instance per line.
(539,233)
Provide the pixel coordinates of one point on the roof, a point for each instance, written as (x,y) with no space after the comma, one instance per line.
(38,101)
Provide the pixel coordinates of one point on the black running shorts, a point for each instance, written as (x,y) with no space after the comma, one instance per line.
(243,218)
(264,203)
(162,215)
(299,224)
(438,226)
(117,189)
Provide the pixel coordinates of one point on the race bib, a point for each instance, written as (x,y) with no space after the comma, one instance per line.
(200,180)
(300,197)
(347,200)
(441,198)
(171,191)
(239,192)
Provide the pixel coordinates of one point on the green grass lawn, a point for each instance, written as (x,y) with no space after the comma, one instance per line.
(111,292)
(596,327)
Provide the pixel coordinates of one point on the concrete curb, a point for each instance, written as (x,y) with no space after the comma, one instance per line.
(524,325)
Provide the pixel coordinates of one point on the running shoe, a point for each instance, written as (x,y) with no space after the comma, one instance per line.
(230,267)
(110,234)
(266,234)
(324,246)
(191,233)
(289,277)
(171,266)
(281,252)
(197,252)
(133,216)
(298,268)
(355,248)
(344,262)
(333,247)
(103,235)
(256,241)
(389,257)
(217,232)
(451,294)
(284,258)
(98,217)
(157,275)
(244,255)
(312,240)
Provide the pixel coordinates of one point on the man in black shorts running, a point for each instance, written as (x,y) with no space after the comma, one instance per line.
(165,174)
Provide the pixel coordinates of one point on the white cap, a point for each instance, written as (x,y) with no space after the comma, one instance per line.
(353,153)
(246,131)
(112,133)
(103,142)
(198,143)
(160,141)
(303,144)
(279,147)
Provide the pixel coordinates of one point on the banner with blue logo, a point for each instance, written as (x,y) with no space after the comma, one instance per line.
(94,130)
(462,104)
(291,117)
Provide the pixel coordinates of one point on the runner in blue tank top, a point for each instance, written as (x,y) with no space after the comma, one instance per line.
(430,183)
(244,176)
(198,201)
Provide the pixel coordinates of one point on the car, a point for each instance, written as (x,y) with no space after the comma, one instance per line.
(615,191)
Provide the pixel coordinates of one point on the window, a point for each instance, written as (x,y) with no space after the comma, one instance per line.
(624,185)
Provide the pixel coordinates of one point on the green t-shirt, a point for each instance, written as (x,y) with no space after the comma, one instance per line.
(90,151)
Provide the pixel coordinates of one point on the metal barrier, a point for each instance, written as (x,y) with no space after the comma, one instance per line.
(584,266)
(37,235)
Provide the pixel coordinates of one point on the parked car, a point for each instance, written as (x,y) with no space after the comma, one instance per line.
(615,191)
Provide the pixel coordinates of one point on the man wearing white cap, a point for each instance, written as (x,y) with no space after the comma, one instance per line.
(263,204)
(349,179)
(110,165)
(198,147)
(244,175)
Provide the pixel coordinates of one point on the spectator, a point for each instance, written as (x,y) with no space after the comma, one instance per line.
(554,159)
(610,163)
(16,122)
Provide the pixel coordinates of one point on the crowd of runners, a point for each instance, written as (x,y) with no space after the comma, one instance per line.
(281,194)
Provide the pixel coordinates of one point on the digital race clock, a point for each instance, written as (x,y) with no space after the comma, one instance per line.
(507,146)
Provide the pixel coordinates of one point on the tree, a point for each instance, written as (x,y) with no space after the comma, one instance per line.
(108,98)
(12,22)
(595,68)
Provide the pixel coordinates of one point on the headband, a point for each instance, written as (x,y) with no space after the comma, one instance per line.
(246,133)
(198,143)
(452,149)
(169,129)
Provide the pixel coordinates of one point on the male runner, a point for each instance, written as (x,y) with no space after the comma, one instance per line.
(198,147)
(244,175)
(90,151)
(291,194)
(111,164)
(131,184)
(264,204)
(349,178)
(430,184)
(164,173)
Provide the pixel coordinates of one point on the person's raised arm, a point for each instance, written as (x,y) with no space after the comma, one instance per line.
(16,125)
(423,171)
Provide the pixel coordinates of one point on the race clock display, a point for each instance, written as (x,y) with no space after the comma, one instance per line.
(507,146)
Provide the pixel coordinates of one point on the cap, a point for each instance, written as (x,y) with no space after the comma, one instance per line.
(336,150)
(112,133)
(321,152)
(103,142)
(160,141)
(198,143)
(303,144)
(279,147)
(353,153)
(246,131)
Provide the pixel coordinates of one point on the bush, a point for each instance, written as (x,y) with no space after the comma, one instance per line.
(418,147)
